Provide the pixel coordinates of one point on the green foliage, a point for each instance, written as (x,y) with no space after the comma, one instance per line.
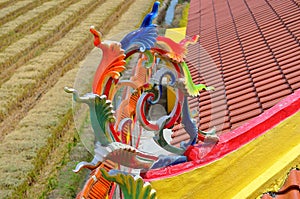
(68,183)
(183,1)
(52,183)
(184,17)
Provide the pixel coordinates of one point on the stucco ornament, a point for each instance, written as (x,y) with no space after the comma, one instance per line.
(119,107)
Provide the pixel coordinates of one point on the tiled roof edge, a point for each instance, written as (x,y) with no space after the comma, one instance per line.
(235,139)
(290,188)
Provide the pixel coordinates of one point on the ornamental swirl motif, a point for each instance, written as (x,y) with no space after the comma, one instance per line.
(119,103)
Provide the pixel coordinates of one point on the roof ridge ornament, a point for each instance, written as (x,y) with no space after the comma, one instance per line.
(118,132)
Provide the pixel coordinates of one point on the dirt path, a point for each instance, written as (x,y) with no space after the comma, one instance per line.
(38,142)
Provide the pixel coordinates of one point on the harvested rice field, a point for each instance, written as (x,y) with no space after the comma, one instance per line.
(42,45)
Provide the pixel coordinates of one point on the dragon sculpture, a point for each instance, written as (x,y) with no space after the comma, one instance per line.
(114,125)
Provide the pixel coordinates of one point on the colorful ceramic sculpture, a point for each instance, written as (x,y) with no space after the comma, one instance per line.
(156,62)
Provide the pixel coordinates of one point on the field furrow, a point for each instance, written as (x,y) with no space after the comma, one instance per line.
(57,59)
(36,128)
(31,21)
(5,3)
(12,9)
(41,127)
(10,12)
(33,44)
(11,26)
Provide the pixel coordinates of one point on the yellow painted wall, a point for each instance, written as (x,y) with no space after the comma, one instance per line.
(255,168)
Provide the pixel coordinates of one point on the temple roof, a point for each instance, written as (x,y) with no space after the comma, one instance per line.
(249,51)
(290,189)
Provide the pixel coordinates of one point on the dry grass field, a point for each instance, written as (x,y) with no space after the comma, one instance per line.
(42,45)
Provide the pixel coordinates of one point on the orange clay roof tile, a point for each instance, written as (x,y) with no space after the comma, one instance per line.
(290,189)
(254,49)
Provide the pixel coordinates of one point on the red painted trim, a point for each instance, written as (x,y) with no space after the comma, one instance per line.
(107,87)
(174,117)
(114,132)
(233,140)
